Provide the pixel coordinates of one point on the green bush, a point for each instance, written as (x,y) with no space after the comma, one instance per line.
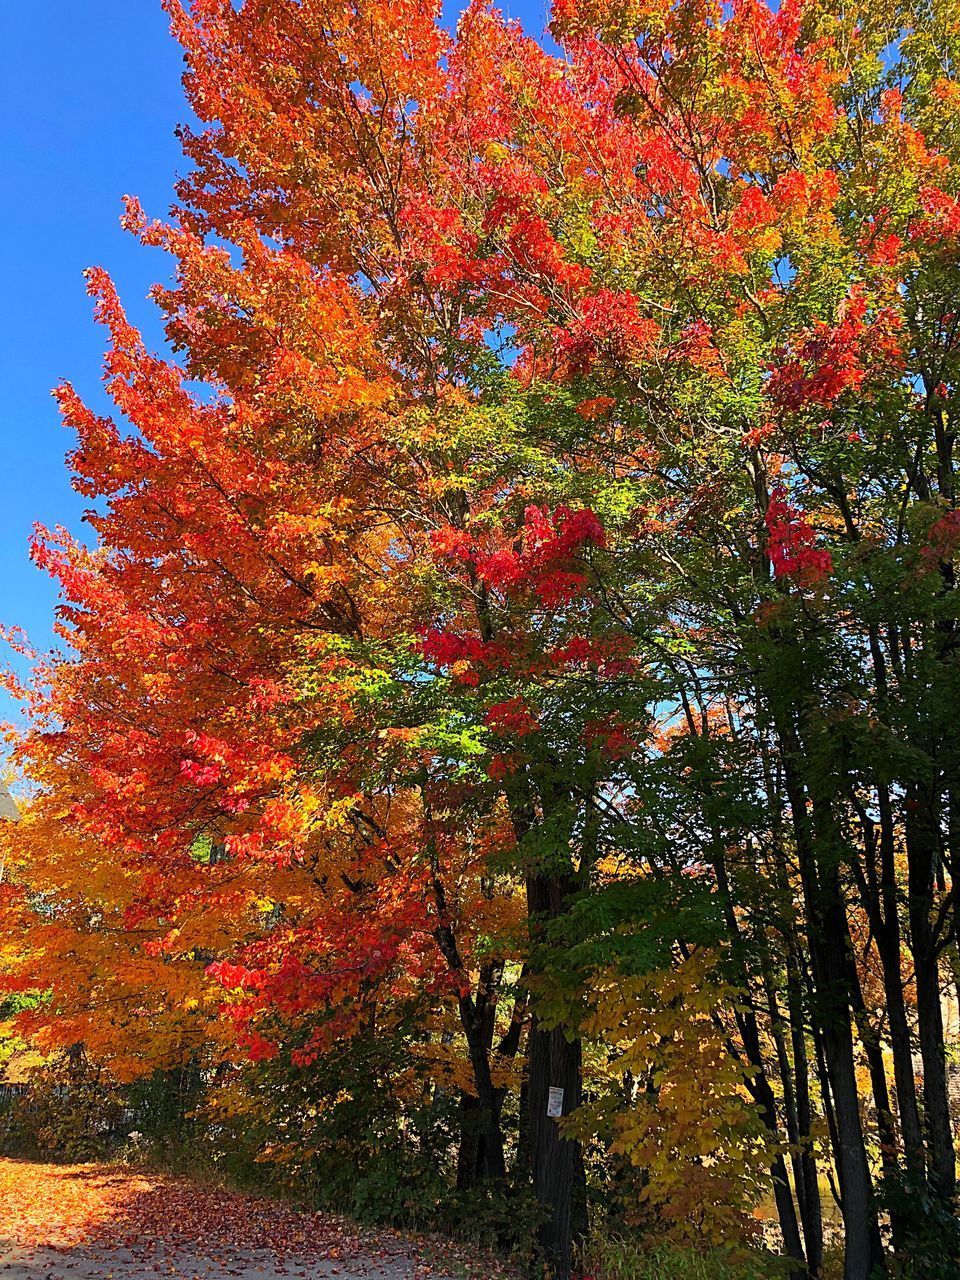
(931,1224)
(68,1113)
(351,1132)
(361,1132)
(497,1219)
(161,1108)
(12,1139)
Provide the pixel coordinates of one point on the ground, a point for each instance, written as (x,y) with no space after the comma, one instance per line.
(96,1222)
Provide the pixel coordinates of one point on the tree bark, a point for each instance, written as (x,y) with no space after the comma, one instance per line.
(922,857)
(811,1209)
(558,1173)
(554,1061)
(887,933)
(863,1253)
(818,851)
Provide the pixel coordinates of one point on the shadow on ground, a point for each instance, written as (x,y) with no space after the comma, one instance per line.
(96,1223)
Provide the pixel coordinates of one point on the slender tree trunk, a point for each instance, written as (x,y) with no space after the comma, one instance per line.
(888,939)
(819,856)
(811,1209)
(757,1082)
(935,1095)
(863,1253)
(793,1128)
(474,1163)
(925,855)
(836,1184)
(878,1075)
(762,1093)
(478,1019)
(922,856)
(886,1130)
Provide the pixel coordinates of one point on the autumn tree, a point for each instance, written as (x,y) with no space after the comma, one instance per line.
(567,518)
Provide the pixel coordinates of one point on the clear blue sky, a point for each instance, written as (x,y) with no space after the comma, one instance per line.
(89,97)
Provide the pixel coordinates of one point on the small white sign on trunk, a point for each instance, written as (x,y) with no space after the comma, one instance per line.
(555,1102)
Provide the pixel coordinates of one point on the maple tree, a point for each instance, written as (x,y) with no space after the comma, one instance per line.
(549,595)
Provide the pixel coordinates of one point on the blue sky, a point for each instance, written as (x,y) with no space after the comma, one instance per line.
(89,97)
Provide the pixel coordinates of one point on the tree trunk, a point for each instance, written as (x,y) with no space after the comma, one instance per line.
(811,1209)
(757,1081)
(558,1173)
(468,1151)
(478,1019)
(554,1062)
(762,1094)
(480,1155)
(862,1249)
(922,857)
(888,938)
(787,1211)
(818,852)
(878,1075)
(886,1132)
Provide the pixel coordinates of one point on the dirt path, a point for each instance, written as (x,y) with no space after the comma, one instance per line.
(92,1222)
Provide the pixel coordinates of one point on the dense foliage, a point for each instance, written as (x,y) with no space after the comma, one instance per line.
(519,651)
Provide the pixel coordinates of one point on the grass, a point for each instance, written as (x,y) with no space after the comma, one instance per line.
(619,1258)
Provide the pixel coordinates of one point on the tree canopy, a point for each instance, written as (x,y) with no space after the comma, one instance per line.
(522,627)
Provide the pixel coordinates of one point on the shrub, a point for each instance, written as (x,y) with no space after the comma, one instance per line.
(162,1107)
(356,1131)
(69,1112)
(931,1225)
(499,1219)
